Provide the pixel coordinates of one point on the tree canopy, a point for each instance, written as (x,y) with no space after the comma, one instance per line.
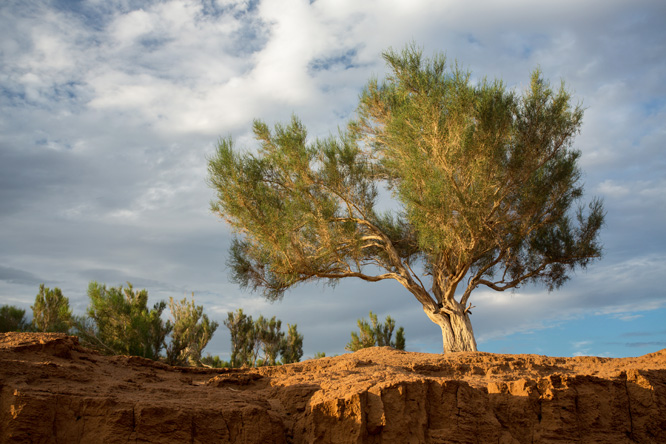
(486,178)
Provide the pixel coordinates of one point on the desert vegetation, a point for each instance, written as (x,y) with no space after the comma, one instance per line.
(118,321)
(261,342)
(376,333)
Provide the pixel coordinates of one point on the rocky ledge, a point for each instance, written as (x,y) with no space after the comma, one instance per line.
(52,390)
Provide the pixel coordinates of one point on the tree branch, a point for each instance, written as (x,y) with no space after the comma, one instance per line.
(363,276)
(389,248)
(473,282)
(514,282)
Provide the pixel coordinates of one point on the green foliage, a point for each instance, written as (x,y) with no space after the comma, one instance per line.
(487,180)
(243,338)
(119,322)
(191,331)
(319,355)
(375,333)
(400,339)
(12,319)
(291,348)
(249,338)
(486,177)
(51,312)
(295,215)
(270,338)
(214,362)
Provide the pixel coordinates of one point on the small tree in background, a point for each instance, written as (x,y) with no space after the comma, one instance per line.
(121,323)
(12,319)
(191,331)
(375,333)
(243,338)
(249,338)
(400,339)
(292,346)
(270,338)
(51,312)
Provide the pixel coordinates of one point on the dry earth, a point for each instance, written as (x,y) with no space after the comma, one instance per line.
(54,391)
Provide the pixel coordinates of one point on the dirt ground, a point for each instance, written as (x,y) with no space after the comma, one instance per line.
(52,390)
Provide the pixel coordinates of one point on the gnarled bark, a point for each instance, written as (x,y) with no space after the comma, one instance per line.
(457,332)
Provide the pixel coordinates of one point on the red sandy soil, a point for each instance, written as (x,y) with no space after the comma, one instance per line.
(52,390)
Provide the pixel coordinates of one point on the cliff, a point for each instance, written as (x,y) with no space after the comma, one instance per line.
(54,391)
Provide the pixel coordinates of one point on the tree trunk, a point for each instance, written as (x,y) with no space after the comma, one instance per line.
(457,333)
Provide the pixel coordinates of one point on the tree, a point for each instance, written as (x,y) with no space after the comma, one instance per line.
(119,322)
(249,338)
(375,333)
(191,331)
(291,348)
(487,181)
(51,312)
(12,319)
(243,338)
(400,339)
(270,338)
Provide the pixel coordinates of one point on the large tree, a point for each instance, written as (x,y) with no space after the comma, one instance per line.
(486,179)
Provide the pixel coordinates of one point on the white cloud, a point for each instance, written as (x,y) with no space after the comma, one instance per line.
(582,348)
(122,216)
(628,317)
(612,189)
(127,27)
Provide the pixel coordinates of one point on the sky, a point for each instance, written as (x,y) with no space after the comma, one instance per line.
(109,110)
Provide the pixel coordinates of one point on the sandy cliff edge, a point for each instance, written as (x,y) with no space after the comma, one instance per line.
(53,390)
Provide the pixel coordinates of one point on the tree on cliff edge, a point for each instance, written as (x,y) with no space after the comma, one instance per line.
(487,180)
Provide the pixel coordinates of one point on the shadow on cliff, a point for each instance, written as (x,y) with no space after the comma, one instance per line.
(559,408)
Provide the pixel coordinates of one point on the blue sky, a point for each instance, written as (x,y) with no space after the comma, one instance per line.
(109,108)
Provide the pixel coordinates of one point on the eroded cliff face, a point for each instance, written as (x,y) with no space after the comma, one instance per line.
(53,390)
